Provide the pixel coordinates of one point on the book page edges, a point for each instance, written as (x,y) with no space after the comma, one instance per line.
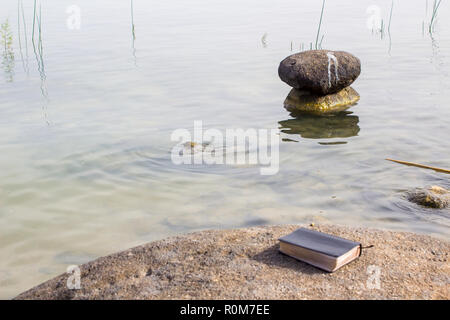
(332,263)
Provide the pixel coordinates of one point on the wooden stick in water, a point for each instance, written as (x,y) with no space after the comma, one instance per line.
(420,166)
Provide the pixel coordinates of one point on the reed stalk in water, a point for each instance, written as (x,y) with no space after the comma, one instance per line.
(320,24)
(389,27)
(34,22)
(420,166)
(390,16)
(133,35)
(436,5)
(8,52)
(21,14)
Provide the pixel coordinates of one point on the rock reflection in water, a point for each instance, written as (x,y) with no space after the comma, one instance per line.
(341,125)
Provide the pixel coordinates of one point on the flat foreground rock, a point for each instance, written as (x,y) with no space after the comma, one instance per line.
(246,264)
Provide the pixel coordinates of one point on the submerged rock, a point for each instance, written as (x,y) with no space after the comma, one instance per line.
(320,71)
(433,197)
(304,101)
(191,147)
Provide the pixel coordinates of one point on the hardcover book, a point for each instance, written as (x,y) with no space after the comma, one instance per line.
(324,251)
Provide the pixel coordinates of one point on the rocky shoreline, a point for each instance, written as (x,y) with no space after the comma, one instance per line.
(246,264)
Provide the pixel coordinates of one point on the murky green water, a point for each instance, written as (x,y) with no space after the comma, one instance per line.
(85,124)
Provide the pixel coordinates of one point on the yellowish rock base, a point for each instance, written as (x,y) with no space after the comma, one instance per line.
(303,101)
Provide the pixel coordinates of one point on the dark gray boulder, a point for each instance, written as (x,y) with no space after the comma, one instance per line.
(320,71)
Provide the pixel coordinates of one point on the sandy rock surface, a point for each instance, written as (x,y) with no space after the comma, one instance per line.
(246,264)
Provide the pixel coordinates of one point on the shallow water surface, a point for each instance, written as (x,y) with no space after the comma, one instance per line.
(86,119)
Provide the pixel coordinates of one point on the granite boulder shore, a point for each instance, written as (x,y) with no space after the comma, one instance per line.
(246,264)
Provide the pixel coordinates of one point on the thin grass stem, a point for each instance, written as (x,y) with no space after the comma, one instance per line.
(320,23)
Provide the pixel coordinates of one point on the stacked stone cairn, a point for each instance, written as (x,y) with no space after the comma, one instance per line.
(320,80)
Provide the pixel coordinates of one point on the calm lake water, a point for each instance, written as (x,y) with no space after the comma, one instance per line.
(85,124)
